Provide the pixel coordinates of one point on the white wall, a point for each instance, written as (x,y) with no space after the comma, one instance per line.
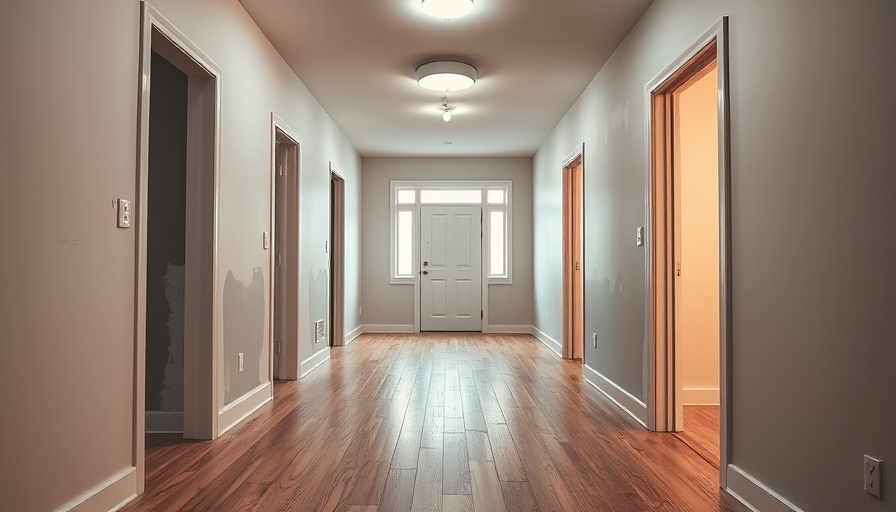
(697,313)
(68,149)
(811,151)
(393,304)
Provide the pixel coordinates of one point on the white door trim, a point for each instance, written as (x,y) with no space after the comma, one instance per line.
(336,301)
(201,358)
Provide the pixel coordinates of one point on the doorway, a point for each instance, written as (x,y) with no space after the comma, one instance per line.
(285,256)
(689,254)
(573,257)
(194,106)
(451,268)
(337,258)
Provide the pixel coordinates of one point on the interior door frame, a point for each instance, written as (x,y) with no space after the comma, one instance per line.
(287,272)
(336,300)
(573,206)
(713,44)
(201,344)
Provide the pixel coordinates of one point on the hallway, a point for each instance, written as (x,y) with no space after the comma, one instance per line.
(436,422)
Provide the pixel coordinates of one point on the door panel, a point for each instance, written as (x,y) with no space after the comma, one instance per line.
(451,254)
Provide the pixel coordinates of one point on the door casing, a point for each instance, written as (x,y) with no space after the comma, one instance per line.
(287,239)
(337,257)
(574,255)
(661,363)
(201,344)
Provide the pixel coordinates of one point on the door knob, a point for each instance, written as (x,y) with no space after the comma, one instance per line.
(426,272)
(425,263)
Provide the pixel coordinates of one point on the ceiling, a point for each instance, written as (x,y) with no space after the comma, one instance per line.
(358,57)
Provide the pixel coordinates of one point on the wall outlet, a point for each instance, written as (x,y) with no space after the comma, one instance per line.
(241,362)
(549,318)
(594,339)
(639,237)
(360,312)
(265,241)
(872,476)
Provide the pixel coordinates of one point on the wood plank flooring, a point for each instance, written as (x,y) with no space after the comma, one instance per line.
(453,422)
(701,431)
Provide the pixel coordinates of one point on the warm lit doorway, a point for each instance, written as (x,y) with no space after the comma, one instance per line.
(573,256)
(688,240)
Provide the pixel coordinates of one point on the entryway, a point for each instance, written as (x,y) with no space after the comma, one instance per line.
(285,256)
(451,268)
(574,256)
(175,217)
(688,248)
(337,257)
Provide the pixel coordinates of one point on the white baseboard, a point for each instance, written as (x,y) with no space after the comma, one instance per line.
(700,396)
(164,422)
(238,410)
(112,494)
(628,403)
(754,494)
(314,361)
(549,342)
(387,328)
(353,334)
(510,329)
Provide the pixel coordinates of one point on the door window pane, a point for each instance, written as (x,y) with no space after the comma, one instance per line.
(406,196)
(496,243)
(495,197)
(451,196)
(405,243)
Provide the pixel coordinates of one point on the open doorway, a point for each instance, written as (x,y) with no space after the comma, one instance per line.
(176,236)
(689,233)
(285,256)
(337,257)
(573,256)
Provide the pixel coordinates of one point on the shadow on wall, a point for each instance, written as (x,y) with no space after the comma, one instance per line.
(317,309)
(620,333)
(244,321)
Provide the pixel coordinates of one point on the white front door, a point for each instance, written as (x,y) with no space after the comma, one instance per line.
(451,268)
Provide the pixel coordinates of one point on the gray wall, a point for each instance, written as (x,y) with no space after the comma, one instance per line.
(393,304)
(68,145)
(812,149)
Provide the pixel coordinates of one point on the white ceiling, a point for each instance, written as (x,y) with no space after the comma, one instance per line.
(358,58)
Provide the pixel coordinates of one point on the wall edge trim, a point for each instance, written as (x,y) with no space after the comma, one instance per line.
(622,398)
(164,422)
(754,494)
(388,328)
(353,334)
(549,342)
(314,361)
(235,412)
(112,494)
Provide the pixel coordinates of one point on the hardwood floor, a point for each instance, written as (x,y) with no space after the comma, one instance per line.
(701,431)
(454,422)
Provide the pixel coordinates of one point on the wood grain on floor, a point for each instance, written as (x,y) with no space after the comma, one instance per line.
(446,421)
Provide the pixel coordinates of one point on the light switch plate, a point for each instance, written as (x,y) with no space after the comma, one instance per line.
(124,213)
(872,476)
(640,237)
(265,241)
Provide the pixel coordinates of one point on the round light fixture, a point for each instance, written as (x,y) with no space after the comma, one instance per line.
(447,76)
(447,9)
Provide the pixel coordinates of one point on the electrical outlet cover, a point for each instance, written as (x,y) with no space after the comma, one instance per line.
(872,476)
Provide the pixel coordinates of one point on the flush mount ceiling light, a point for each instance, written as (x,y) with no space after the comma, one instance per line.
(447,9)
(446,76)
